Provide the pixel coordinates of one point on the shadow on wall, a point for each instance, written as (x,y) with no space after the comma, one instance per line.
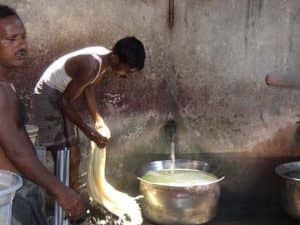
(285,142)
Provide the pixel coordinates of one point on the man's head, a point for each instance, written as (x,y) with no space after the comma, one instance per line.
(130,54)
(12,38)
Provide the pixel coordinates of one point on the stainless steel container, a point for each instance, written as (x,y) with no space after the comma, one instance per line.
(290,188)
(164,204)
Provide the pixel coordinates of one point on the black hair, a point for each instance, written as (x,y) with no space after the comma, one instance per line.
(130,51)
(6,11)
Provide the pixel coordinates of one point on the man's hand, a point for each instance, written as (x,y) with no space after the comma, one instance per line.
(101,127)
(71,203)
(95,136)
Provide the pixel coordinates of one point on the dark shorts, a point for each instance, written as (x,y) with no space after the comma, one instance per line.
(55,131)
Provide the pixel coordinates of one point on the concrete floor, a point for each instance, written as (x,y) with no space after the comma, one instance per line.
(251,216)
(241,215)
(269,219)
(234,210)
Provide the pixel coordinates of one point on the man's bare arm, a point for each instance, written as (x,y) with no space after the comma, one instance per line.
(18,148)
(82,70)
(90,97)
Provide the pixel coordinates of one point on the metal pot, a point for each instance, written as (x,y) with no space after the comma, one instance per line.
(164,204)
(290,188)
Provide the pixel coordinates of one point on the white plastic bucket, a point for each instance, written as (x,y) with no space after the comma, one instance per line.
(9,184)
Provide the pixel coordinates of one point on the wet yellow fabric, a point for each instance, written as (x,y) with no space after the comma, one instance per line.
(105,194)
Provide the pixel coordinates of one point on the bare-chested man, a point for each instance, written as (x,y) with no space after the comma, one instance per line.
(17,153)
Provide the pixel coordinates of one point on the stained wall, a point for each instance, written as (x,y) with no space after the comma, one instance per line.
(205,68)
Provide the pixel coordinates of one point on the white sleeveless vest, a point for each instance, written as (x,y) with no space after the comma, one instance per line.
(55,75)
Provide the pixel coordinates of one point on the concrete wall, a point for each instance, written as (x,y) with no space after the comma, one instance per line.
(206,71)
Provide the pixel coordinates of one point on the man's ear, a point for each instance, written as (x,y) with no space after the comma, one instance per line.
(115,59)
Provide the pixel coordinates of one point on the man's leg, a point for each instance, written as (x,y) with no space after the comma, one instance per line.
(74,166)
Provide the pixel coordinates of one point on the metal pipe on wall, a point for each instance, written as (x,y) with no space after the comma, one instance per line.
(171,14)
(282,80)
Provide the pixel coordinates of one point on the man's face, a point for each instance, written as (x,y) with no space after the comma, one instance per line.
(13,48)
(123,70)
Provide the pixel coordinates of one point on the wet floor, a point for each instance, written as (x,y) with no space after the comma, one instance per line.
(249,214)
(269,219)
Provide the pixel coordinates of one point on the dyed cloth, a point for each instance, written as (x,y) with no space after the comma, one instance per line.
(118,203)
(27,208)
(54,128)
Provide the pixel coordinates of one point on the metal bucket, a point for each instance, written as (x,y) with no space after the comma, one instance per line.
(9,184)
(164,204)
(290,187)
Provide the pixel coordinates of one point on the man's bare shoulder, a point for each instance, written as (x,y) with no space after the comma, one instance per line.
(7,95)
(81,60)
(82,65)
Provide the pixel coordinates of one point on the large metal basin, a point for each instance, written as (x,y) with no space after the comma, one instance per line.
(290,187)
(164,204)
